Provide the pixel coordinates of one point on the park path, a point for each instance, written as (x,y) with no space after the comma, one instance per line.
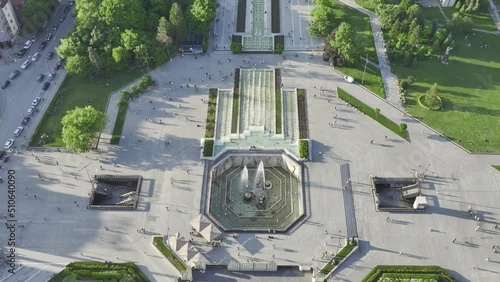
(390,80)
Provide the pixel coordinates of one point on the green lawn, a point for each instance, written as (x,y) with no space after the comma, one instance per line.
(481,20)
(469,87)
(361,23)
(370,4)
(497,167)
(76,91)
(176,262)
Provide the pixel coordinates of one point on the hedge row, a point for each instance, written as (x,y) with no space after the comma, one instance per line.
(347,249)
(374,114)
(101,271)
(176,262)
(302,109)
(409,271)
(211,113)
(236,98)
(241,19)
(208,148)
(279,43)
(303,149)
(120,121)
(277,89)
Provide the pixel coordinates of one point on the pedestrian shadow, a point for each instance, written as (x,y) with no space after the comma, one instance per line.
(467,244)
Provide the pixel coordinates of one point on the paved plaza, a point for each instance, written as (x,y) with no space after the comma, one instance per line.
(58,228)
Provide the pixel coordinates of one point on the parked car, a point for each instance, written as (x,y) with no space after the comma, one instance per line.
(42,46)
(18,131)
(5,84)
(35,37)
(58,65)
(46,86)
(28,44)
(62,17)
(35,57)
(40,77)
(51,76)
(31,110)
(67,8)
(50,55)
(71,3)
(73,13)
(21,53)
(55,27)
(348,79)
(26,64)
(9,144)
(48,37)
(14,74)
(36,101)
(25,120)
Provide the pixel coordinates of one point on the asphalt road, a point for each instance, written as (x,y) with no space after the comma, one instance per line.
(16,99)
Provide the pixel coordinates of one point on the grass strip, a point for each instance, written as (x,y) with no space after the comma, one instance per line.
(303,149)
(242,12)
(347,249)
(275,16)
(302,109)
(389,124)
(176,262)
(236,99)
(497,167)
(119,122)
(409,272)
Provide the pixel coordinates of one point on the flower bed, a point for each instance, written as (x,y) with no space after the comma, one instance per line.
(302,109)
(421,102)
(277,89)
(208,148)
(211,111)
(346,250)
(303,149)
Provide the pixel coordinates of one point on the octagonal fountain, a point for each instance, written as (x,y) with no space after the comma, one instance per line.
(255,192)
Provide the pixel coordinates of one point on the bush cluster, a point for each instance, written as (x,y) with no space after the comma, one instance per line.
(303,149)
(409,271)
(136,89)
(105,271)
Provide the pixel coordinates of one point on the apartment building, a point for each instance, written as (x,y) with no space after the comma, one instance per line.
(9,25)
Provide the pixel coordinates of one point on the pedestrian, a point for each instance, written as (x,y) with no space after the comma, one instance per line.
(487,259)
(453,241)
(57,163)
(187,171)
(371,141)
(496,226)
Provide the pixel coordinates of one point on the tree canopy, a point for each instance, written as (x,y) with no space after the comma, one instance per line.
(80,126)
(113,34)
(347,43)
(35,14)
(323,19)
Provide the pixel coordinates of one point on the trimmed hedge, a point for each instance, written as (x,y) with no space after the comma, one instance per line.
(303,149)
(302,109)
(389,124)
(275,16)
(103,271)
(347,249)
(208,148)
(409,271)
(176,262)
(236,99)
(242,13)
(120,121)
(277,89)
(211,112)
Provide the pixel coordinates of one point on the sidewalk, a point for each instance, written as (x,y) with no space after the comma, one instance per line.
(390,80)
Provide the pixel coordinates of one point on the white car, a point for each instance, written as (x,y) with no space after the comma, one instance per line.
(28,44)
(9,144)
(36,101)
(348,79)
(26,64)
(31,110)
(18,131)
(35,57)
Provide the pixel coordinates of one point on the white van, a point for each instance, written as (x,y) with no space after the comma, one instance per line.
(28,44)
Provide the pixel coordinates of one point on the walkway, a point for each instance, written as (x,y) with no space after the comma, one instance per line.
(390,80)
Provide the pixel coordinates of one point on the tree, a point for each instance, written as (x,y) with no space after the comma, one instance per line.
(323,21)
(236,47)
(95,61)
(431,98)
(347,43)
(80,126)
(130,39)
(460,23)
(78,65)
(178,25)
(204,11)
(162,34)
(124,14)
(120,55)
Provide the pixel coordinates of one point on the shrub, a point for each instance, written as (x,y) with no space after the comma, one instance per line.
(303,149)
(120,121)
(279,48)
(404,85)
(403,126)
(208,148)
(236,47)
